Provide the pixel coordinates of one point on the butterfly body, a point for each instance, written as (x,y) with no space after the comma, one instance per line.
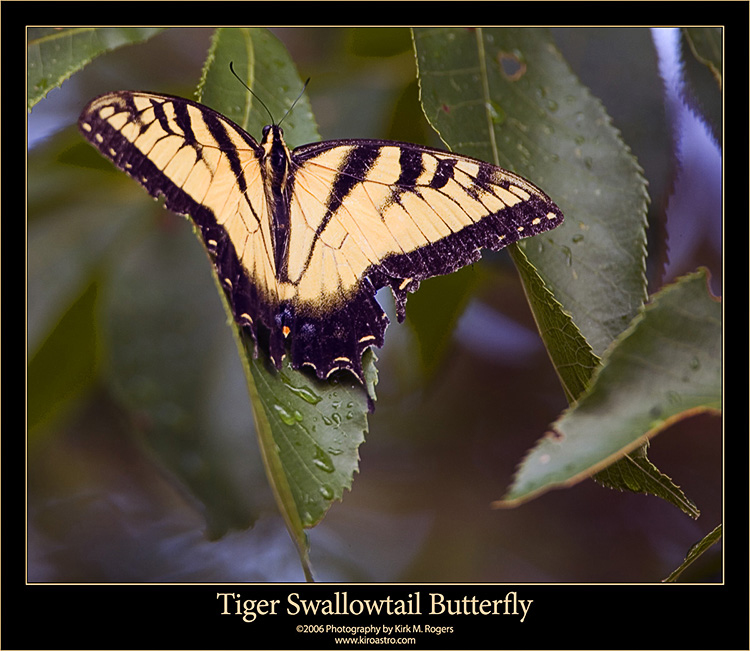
(302,240)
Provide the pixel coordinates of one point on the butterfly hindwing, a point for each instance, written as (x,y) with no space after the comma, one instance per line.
(302,241)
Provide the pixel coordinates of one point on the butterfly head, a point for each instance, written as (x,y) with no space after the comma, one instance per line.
(276,153)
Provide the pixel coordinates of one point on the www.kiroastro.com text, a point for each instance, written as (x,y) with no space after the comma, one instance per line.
(415,603)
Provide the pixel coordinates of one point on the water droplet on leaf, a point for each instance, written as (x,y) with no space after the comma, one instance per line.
(322,460)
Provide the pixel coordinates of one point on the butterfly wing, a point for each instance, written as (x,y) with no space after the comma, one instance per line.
(366,214)
(208,168)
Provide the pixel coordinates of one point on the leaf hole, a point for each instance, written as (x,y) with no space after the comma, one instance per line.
(511,65)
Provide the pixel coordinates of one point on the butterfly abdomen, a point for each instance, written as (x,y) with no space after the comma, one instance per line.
(275,164)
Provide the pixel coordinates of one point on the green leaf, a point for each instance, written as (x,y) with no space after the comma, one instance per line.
(706,47)
(309,433)
(570,353)
(263,64)
(701,54)
(55,53)
(695,552)
(597,56)
(665,367)
(508,97)
(309,430)
(635,473)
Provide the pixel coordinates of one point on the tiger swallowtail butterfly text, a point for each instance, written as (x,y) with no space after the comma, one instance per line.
(302,240)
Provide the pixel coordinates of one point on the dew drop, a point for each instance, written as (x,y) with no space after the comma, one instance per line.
(523,151)
(674,397)
(303,392)
(496,112)
(322,460)
(521,126)
(286,417)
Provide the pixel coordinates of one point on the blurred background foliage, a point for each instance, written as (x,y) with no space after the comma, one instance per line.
(449,426)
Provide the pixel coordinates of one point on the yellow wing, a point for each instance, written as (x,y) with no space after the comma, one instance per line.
(206,167)
(411,212)
(368,214)
(303,240)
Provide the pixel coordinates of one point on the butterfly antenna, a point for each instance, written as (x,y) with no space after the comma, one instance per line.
(250,90)
(289,110)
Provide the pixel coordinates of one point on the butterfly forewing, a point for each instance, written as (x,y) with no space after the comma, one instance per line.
(412,212)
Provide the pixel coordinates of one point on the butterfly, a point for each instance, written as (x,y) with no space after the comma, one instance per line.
(302,240)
